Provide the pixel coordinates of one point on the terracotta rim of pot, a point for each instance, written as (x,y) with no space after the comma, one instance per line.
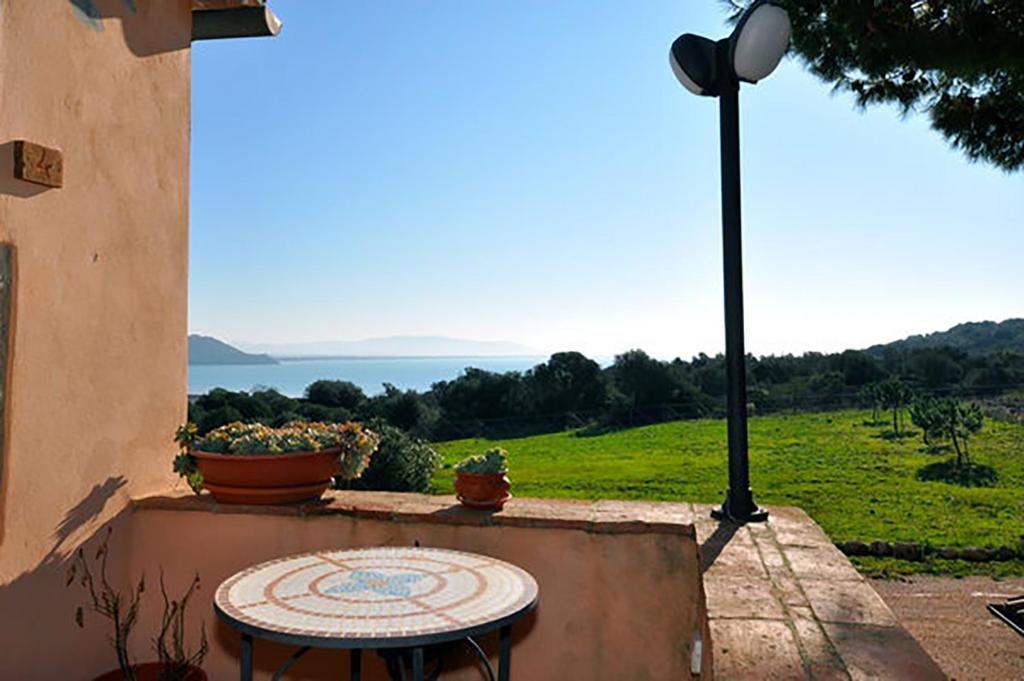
(268,478)
(150,671)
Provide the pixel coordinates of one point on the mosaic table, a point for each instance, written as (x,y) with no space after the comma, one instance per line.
(395,600)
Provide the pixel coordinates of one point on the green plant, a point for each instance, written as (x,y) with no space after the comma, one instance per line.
(961,421)
(495,460)
(871,394)
(122,609)
(401,463)
(926,414)
(895,396)
(948,419)
(184,462)
(355,444)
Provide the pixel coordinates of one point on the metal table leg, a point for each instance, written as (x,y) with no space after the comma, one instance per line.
(483,657)
(356,673)
(504,652)
(246,657)
(417,664)
(295,657)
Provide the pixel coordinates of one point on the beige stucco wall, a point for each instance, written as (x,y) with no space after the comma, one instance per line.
(96,384)
(612,606)
(97,370)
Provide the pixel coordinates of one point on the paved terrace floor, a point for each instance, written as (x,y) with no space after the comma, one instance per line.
(782,601)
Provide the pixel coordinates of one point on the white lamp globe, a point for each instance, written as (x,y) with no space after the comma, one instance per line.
(762,39)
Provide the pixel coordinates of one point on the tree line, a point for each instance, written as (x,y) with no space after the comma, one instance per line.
(570,390)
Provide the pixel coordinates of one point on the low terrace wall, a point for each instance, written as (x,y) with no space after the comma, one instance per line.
(620,585)
(626,588)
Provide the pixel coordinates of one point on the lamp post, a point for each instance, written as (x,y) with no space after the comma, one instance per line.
(716,69)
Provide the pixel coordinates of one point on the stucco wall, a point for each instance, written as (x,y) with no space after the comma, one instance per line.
(97,362)
(613,606)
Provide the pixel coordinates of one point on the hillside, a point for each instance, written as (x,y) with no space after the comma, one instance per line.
(397,346)
(974,338)
(207,350)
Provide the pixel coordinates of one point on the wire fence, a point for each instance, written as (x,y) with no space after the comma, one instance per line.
(999,402)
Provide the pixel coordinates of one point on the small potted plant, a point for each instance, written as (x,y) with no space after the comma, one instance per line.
(482,481)
(174,661)
(250,463)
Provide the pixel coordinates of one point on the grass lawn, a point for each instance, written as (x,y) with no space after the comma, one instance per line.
(855,484)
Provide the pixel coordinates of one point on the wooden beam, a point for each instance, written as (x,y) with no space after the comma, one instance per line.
(238,22)
(199,5)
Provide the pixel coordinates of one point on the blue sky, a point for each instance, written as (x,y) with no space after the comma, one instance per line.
(530,171)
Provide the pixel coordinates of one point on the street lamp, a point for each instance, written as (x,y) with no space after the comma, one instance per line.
(716,69)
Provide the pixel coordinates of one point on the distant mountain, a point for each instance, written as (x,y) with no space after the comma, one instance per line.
(397,346)
(975,338)
(206,350)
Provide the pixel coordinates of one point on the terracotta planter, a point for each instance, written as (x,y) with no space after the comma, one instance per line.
(483,490)
(150,671)
(267,478)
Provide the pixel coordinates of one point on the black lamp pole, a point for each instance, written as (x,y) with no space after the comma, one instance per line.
(739,503)
(715,69)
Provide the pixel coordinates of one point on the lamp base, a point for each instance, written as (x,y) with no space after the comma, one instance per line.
(740,509)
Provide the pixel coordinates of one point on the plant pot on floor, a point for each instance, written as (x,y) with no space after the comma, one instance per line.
(150,671)
(267,478)
(487,491)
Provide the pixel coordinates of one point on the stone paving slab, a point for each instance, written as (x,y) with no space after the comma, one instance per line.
(784,603)
(871,652)
(755,650)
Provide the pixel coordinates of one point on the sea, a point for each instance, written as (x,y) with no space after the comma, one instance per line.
(291,376)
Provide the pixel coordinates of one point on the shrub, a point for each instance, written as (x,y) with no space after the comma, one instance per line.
(344,394)
(926,413)
(221,416)
(414,413)
(318,412)
(895,396)
(962,421)
(401,463)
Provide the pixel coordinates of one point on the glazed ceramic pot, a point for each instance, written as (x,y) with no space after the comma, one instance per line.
(483,490)
(150,671)
(267,478)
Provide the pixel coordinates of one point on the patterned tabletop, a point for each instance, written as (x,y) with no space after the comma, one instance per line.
(376,597)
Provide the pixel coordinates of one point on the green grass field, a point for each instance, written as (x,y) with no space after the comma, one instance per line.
(855,484)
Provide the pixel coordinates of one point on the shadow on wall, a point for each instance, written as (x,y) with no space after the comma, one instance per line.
(83,512)
(37,611)
(139,20)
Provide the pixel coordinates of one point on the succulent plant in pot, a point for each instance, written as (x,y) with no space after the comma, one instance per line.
(482,481)
(250,463)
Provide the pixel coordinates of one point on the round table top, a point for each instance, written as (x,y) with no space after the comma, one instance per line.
(375,598)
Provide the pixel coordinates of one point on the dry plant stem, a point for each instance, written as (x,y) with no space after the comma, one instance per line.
(108,602)
(176,658)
